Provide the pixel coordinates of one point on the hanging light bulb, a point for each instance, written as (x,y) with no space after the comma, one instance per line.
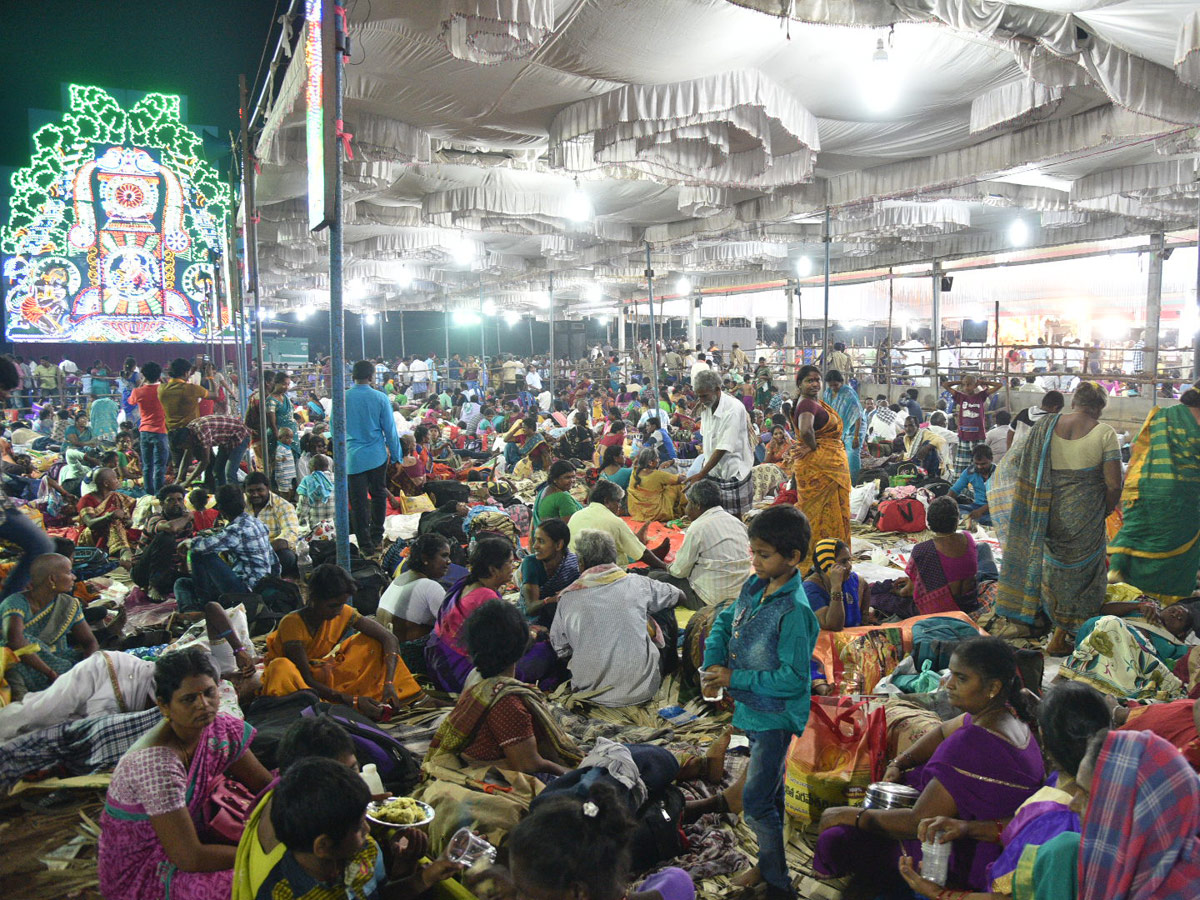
(541,299)
(1018,233)
(372,318)
(303,313)
(265,315)
(462,251)
(579,207)
(595,292)
(803,266)
(683,285)
(881,84)
(511,317)
(403,278)
(489,307)
(603,321)
(356,289)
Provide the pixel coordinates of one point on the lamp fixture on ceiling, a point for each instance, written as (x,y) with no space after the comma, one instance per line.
(1018,233)
(579,206)
(683,285)
(403,278)
(356,289)
(511,317)
(489,307)
(462,251)
(595,292)
(265,315)
(371,318)
(603,321)
(881,87)
(804,266)
(303,313)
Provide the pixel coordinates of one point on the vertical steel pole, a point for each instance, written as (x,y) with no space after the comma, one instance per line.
(403,353)
(251,250)
(1154,311)
(653,340)
(825,329)
(1195,336)
(483,324)
(337,316)
(935,323)
(553,365)
(887,370)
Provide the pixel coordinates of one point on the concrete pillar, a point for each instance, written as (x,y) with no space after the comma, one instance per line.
(621,329)
(792,293)
(935,328)
(693,319)
(1153,308)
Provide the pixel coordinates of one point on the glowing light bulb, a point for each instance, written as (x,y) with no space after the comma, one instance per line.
(371,318)
(579,207)
(403,278)
(1018,233)
(511,318)
(804,266)
(489,307)
(683,285)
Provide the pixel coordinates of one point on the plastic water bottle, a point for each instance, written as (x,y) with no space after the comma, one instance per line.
(370,776)
(935,860)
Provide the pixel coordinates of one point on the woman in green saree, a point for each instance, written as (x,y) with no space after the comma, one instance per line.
(1157,549)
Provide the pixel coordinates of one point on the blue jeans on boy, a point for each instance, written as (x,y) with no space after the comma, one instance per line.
(155,454)
(762,803)
(33,541)
(229,460)
(211,577)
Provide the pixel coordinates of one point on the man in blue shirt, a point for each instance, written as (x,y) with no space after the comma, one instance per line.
(976,477)
(370,439)
(659,438)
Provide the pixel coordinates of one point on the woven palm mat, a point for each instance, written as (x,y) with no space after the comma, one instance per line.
(52,856)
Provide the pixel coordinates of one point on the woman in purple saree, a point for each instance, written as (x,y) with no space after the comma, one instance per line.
(978,767)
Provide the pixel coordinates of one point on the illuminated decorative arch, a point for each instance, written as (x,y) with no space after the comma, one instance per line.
(116,226)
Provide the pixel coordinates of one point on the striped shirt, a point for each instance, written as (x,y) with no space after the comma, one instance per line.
(219,431)
(715,556)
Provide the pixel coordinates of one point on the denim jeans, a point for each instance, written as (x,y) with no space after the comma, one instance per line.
(762,802)
(211,577)
(229,460)
(34,542)
(154,460)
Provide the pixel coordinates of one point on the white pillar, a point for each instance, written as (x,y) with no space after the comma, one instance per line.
(621,329)
(1153,309)
(693,301)
(793,300)
(935,329)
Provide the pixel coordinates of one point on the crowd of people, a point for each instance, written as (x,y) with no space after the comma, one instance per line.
(526,496)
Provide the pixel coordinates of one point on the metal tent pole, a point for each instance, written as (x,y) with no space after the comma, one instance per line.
(550,311)
(935,324)
(825,328)
(337,315)
(483,324)
(887,369)
(1154,312)
(251,251)
(653,341)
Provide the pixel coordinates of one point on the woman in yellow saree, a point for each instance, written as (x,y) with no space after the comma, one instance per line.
(1157,549)
(329,648)
(818,461)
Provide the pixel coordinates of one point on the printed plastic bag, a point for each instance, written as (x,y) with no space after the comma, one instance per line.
(841,752)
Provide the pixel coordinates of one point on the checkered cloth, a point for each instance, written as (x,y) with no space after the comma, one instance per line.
(964,456)
(219,431)
(737,497)
(88,745)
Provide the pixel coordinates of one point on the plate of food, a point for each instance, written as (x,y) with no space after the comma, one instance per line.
(399,812)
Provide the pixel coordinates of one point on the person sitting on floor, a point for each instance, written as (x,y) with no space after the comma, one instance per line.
(261,849)
(161,556)
(316,500)
(547,570)
(411,603)
(612,466)
(154,814)
(714,561)
(579,849)
(836,594)
(943,572)
(604,627)
(279,516)
(44,625)
(343,656)
(654,495)
(446,658)
(981,765)
(104,516)
(975,478)
(603,512)
(553,500)
(232,560)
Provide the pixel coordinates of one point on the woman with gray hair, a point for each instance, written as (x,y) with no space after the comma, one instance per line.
(728,452)
(601,631)
(714,561)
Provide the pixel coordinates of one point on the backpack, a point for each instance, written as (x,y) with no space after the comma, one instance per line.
(271,717)
(372,581)
(936,638)
(907,515)
(398,767)
(658,829)
(91,562)
(448,492)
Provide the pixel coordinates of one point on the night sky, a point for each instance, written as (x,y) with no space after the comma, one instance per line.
(195,49)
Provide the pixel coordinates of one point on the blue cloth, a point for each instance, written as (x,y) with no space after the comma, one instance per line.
(666,446)
(621,476)
(846,404)
(370,430)
(156,456)
(818,598)
(762,803)
(978,484)
(768,646)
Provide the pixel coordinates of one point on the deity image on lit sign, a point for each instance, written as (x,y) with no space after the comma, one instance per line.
(115,240)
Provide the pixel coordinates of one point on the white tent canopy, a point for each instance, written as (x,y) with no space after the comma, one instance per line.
(498,141)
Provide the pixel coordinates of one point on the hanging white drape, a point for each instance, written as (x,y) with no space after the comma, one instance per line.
(489,32)
(1019,103)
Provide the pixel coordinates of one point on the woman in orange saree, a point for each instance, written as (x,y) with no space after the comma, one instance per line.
(818,461)
(329,648)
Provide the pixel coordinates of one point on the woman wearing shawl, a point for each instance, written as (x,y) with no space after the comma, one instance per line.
(329,648)
(1158,547)
(926,449)
(316,504)
(104,516)
(491,568)
(524,441)
(818,461)
(943,570)
(553,500)
(1049,499)
(839,597)
(979,767)
(845,402)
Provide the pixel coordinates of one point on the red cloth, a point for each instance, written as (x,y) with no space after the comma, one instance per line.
(204,519)
(154,418)
(507,722)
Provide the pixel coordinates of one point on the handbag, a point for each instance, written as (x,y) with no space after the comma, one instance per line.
(228,808)
(419,504)
(841,751)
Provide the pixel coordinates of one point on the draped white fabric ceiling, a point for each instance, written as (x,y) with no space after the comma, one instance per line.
(503,140)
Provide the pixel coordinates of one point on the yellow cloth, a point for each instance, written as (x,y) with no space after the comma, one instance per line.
(350,663)
(655,496)
(252,864)
(823,485)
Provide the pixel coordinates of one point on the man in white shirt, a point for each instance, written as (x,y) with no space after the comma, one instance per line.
(729,457)
(1040,356)
(533,381)
(1052,403)
(997,437)
(714,561)
(401,372)
(545,400)
(700,365)
(418,372)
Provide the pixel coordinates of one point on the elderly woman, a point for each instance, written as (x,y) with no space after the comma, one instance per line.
(151,844)
(1049,500)
(605,624)
(490,569)
(547,570)
(330,648)
(654,495)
